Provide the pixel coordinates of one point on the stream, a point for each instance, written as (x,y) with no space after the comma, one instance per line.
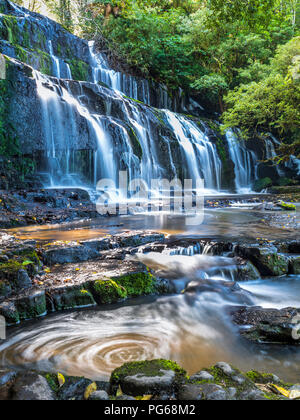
(194,329)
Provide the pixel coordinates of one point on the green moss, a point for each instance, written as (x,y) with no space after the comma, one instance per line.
(135,143)
(287,206)
(137,284)
(52,380)
(262,184)
(108,291)
(260,378)
(79,69)
(10,269)
(134,100)
(10,29)
(222,151)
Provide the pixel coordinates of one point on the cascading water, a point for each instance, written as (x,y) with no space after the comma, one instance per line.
(138,89)
(200,154)
(245,163)
(93,129)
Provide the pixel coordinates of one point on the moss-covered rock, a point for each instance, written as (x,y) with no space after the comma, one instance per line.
(69,297)
(266,259)
(137,284)
(108,291)
(287,206)
(295,265)
(262,184)
(31,305)
(148,377)
(247,272)
(9,311)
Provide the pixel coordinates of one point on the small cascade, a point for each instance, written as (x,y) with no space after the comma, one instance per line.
(60,68)
(245,163)
(60,109)
(200,154)
(270,143)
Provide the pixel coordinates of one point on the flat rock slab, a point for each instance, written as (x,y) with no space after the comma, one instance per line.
(271,326)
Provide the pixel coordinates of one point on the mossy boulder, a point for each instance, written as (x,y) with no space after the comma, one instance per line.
(262,184)
(266,259)
(9,311)
(246,272)
(287,206)
(121,287)
(108,291)
(137,284)
(226,382)
(295,265)
(31,305)
(148,378)
(69,297)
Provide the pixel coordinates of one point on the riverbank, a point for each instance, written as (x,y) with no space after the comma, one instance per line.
(150,380)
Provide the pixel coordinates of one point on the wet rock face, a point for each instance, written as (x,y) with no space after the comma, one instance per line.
(271,326)
(266,259)
(7,378)
(295,265)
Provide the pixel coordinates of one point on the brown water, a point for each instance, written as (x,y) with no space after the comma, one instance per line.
(192,329)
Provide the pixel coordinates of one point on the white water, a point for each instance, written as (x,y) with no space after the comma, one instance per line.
(245,163)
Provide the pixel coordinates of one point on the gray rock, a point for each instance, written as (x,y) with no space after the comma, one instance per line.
(9,311)
(190,392)
(72,254)
(225,368)
(99,396)
(268,325)
(23,281)
(232,392)
(69,297)
(32,387)
(253,395)
(125,397)
(140,384)
(202,376)
(295,265)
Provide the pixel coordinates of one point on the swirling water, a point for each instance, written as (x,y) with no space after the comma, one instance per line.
(193,329)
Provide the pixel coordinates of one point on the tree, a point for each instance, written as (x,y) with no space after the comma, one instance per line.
(273,104)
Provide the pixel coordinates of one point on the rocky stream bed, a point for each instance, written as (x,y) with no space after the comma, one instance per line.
(42,276)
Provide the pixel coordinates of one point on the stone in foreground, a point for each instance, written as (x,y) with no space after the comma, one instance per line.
(148,378)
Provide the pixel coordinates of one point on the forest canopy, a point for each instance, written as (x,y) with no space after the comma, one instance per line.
(240,58)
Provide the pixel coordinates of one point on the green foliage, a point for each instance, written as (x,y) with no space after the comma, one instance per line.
(272,104)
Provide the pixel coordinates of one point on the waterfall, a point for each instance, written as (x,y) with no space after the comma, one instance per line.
(113,121)
(245,163)
(135,88)
(200,154)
